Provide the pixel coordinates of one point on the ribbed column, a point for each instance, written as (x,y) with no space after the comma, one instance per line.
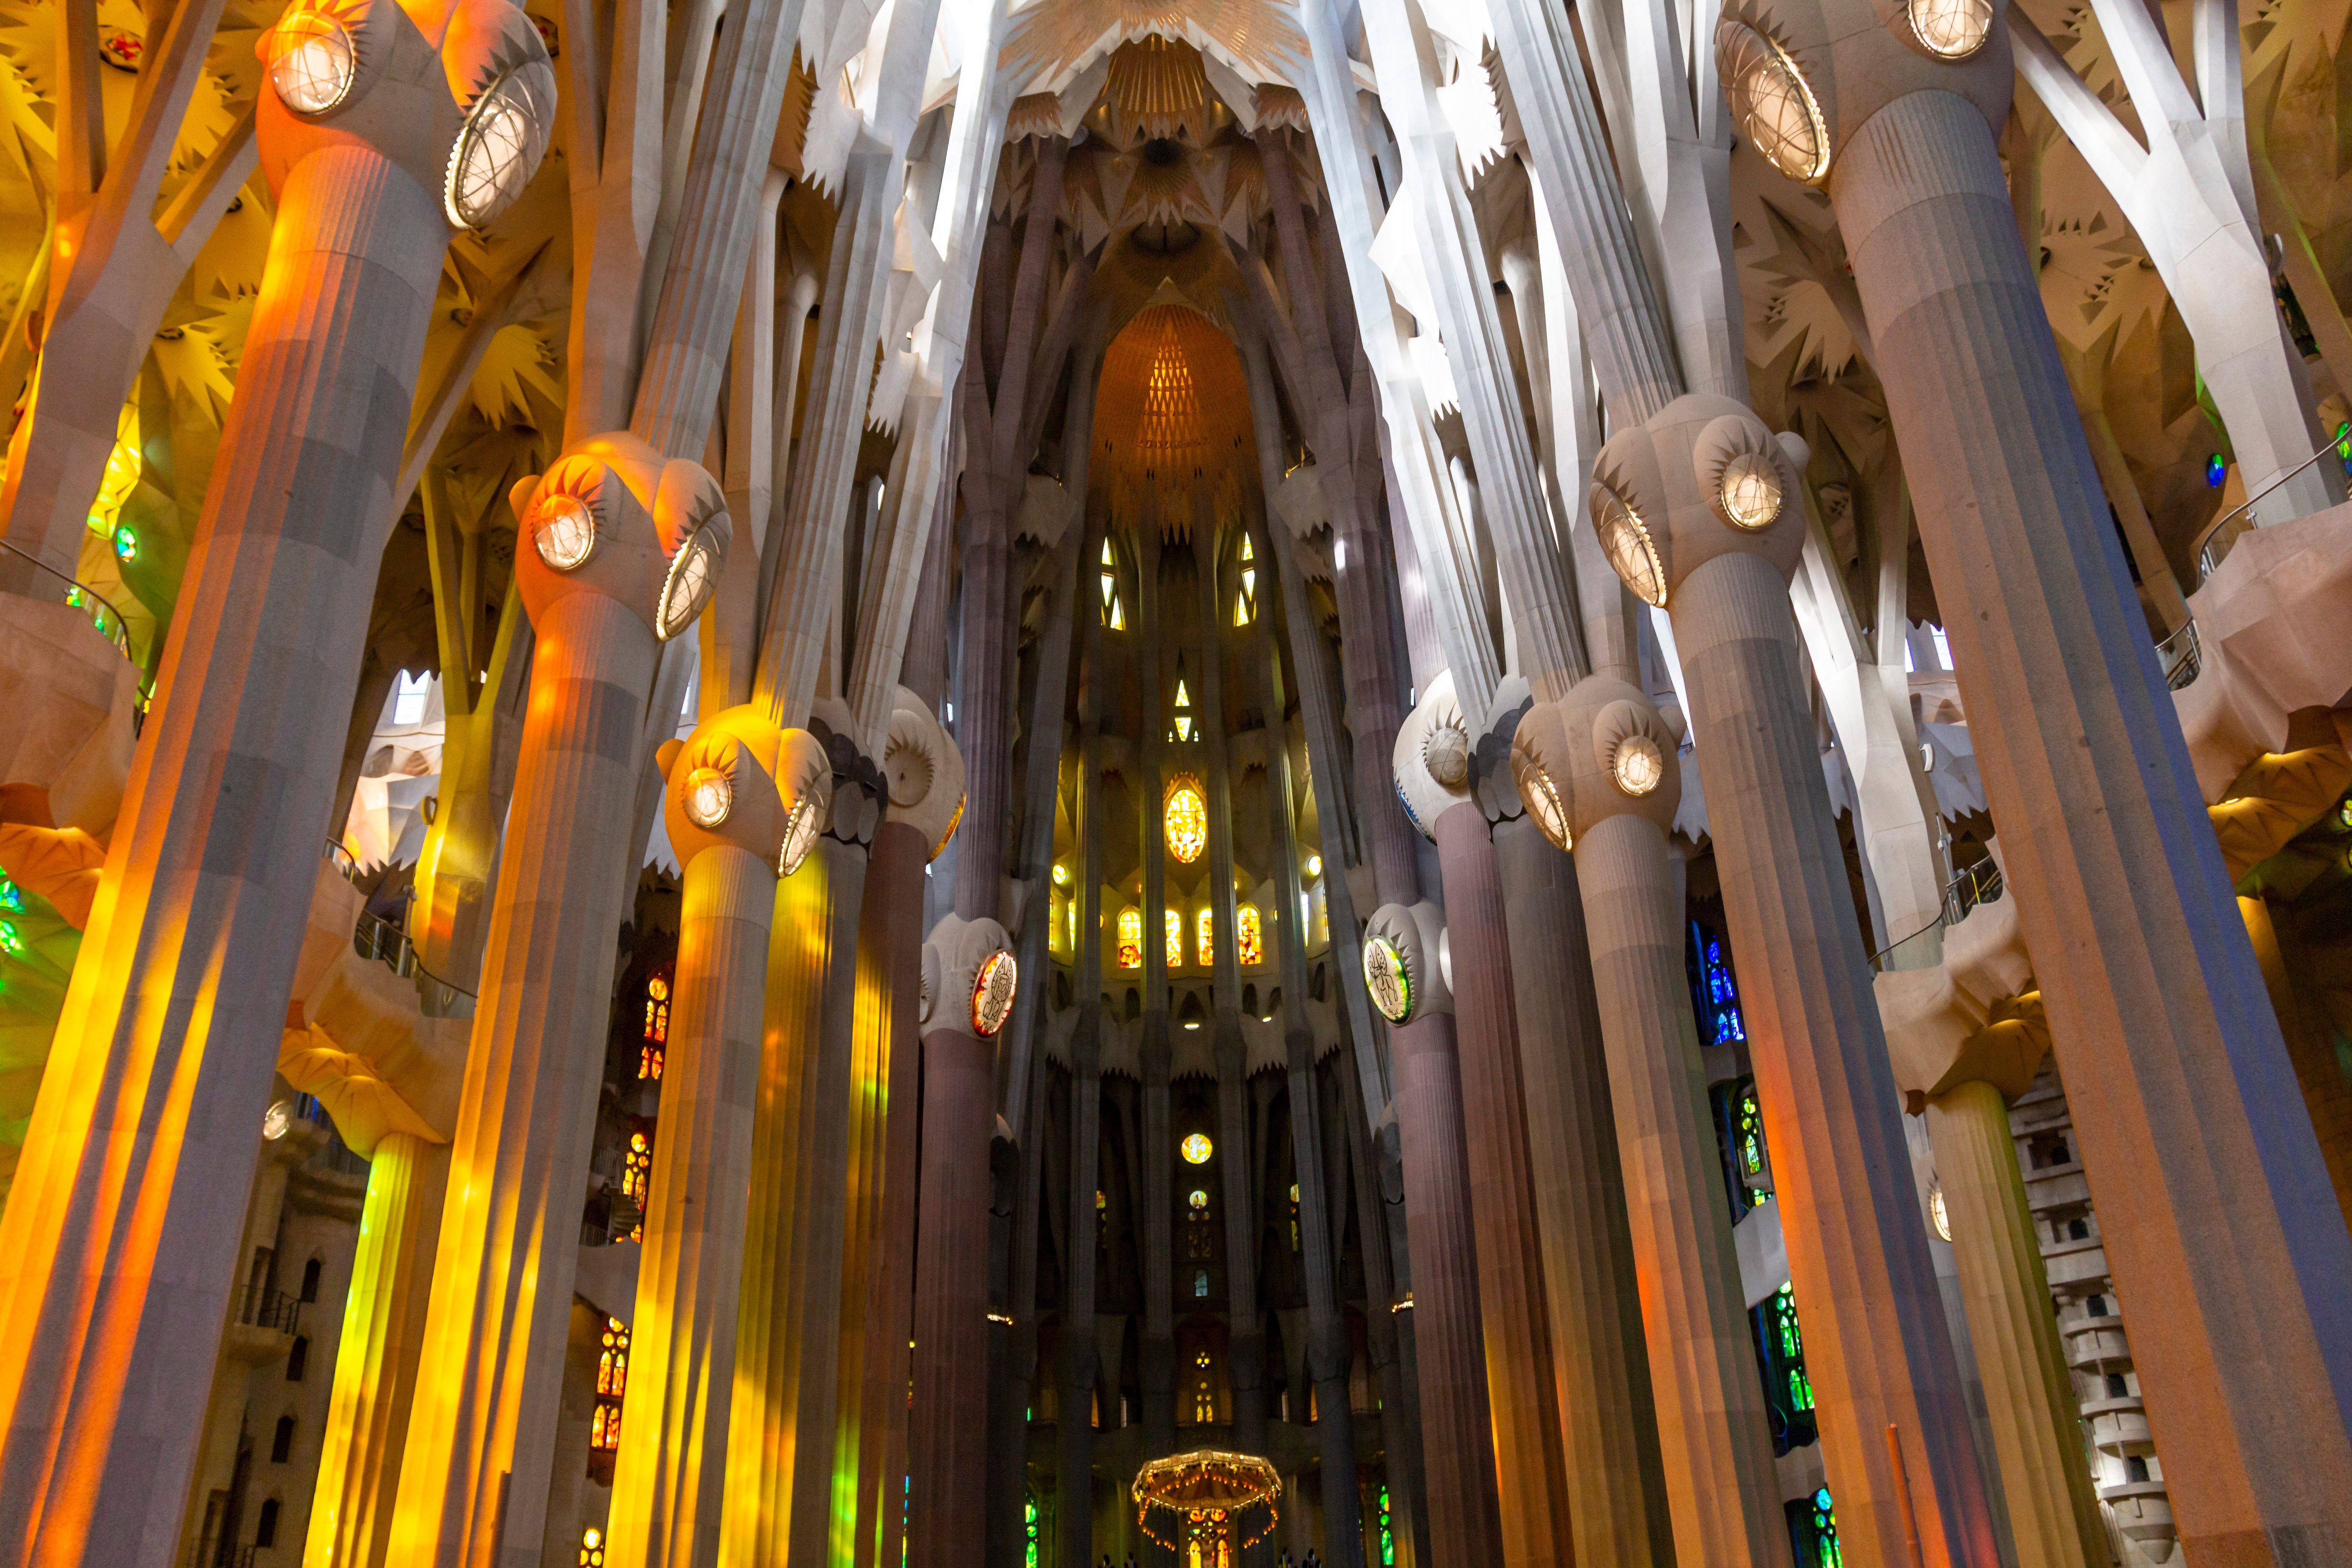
(1457,1436)
(984,730)
(482,1436)
(668,1476)
(1530,1465)
(843,1224)
(889,991)
(1074,1521)
(2212,1194)
(2037,1440)
(1876,1344)
(951,1312)
(1712,1434)
(375,1363)
(1599,1359)
(797,1152)
(117,1256)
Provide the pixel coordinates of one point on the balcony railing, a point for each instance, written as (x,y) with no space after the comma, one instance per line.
(2181,656)
(1978,883)
(379,939)
(103,615)
(267,1308)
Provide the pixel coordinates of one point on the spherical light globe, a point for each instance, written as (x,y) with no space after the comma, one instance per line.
(710,797)
(1751,490)
(312,62)
(1637,766)
(563,531)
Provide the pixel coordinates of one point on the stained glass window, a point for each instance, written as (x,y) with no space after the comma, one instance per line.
(1249,934)
(611,1384)
(1029,1528)
(1294,1216)
(1205,929)
(1198,1242)
(1130,938)
(592,1548)
(1186,812)
(637,1178)
(656,1027)
(1197,1149)
(1781,1356)
(1388,1538)
(1172,924)
(1204,1394)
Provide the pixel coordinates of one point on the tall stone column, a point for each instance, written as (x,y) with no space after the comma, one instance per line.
(970,1002)
(613,527)
(742,805)
(1598,772)
(1432,775)
(1967,1038)
(1077,1372)
(2212,1191)
(1401,965)
(376,1361)
(1157,1352)
(1617,1505)
(120,1248)
(1690,509)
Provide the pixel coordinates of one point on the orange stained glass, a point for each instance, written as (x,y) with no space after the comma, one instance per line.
(1175,925)
(1186,813)
(1249,934)
(1130,938)
(1206,936)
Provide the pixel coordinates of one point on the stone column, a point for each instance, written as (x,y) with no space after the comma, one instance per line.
(970,1003)
(1690,507)
(742,803)
(481,1436)
(1458,1434)
(1967,1036)
(1433,776)
(375,1363)
(2211,1186)
(1712,1430)
(1076,1373)
(120,1249)
(1617,1504)
(1157,1352)
(783,1419)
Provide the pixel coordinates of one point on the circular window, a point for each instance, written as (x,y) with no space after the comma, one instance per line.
(710,797)
(1769,97)
(1637,766)
(1196,1149)
(693,578)
(1385,978)
(1951,29)
(312,63)
(991,994)
(1750,491)
(1626,541)
(497,152)
(564,532)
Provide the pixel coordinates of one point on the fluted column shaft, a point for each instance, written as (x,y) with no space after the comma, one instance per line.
(375,1363)
(2212,1193)
(951,1313)
(1465,1528)
(783,1373)
(1877,1348)
(1712,1434)
(890,992)
(984,730)
(1074,1430)
(669,1477)
(1530,1463)
(1600,1360)
(120,1243)
(481,1438)
(2030,1402)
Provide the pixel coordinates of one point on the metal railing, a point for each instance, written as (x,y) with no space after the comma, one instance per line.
(388,944)
(267,1308)
(120,636)
(2181,655)
(2213,544)
(1978,883)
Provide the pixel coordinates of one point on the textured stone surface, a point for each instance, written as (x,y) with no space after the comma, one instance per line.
(2211,1187)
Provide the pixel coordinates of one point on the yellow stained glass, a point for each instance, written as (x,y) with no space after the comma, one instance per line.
(1250,936)
(1174,922)
(1130,938)
(1206,926)
(1186,812)
(1196,1148)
